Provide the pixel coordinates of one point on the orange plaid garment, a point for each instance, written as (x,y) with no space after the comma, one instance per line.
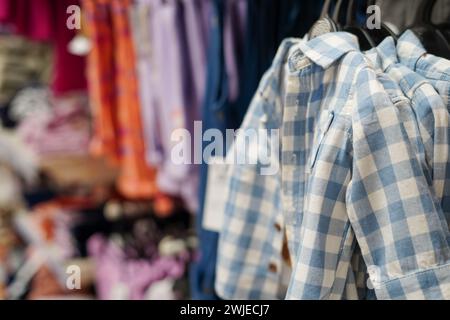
(114,93)
(101,81)
(136,180)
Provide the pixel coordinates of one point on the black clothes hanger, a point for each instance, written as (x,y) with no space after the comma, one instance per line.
(365,40)
(443,28)
(331,24)
(432,39)
(325,24)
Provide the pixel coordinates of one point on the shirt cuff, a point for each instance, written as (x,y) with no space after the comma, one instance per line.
(429,284)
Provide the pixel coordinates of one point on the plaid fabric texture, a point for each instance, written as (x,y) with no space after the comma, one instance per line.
(361,195)
(250,247)
(412,54)
(366,186)
(317,93)
(431,115)
(436,70)
(114,88)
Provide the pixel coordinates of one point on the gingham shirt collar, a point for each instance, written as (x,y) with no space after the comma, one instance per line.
(410,46)
(408,80)
(388,53)
(328,48)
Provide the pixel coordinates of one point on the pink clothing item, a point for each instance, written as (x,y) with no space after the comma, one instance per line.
(41,15)
(6,10)
(29,18)
(115,272)
(69,70)
(63,130)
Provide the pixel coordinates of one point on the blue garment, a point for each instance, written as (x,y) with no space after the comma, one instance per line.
(268,23)
(217,112)
(202,273)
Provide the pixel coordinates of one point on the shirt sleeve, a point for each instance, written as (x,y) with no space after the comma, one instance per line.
(250,245)
(397,222)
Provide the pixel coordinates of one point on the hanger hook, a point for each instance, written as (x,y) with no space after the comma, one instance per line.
(325,8)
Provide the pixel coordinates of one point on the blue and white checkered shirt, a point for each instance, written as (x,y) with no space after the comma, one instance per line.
(250,262)
(435,69)
(431,114)
(365,185)
(317,80)
(353,185)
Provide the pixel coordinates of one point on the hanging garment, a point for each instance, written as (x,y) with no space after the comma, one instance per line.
(114,88)
(436,70)
(364,186)
(432,117)
(268,23)
(251,251)
(346,157)
(69,70)
(177,79)
(136,179)
(217,113)
(169,83)
(101,69)
(32,19)
(140,18)
(196,44)
(250,247)
(202,274)
(418,105)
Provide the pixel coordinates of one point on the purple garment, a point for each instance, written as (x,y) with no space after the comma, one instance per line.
(140,15)
(171,102)
(171,42)
(196,32)
(113,269)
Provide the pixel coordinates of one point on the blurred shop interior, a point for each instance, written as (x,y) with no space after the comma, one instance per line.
(90,93)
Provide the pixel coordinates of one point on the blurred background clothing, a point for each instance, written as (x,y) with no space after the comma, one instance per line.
(86,137)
